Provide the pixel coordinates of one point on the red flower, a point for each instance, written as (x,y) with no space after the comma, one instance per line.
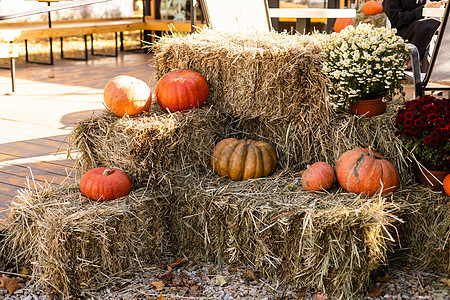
(416,106)
(438,122)
(408,115)
(408,133)
(431,108)
(432,116)
(418,123)
(427,140)
(408,123)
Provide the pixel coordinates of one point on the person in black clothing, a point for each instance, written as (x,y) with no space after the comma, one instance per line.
(406,17)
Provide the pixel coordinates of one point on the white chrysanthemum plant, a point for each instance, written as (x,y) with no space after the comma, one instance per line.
(364,63)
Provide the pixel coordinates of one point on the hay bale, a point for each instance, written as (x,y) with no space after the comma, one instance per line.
(321,241)
(73,244)
(299,144)
(425,236)
(151,146)
(273,76)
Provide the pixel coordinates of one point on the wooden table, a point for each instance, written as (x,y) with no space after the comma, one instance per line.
(304,15)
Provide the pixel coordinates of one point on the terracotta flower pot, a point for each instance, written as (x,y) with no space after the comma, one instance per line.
(369,108)
(431,179)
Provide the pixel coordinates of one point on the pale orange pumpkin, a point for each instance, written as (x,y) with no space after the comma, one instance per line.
(362,170)
(318,177)
(126,95)
(372,8)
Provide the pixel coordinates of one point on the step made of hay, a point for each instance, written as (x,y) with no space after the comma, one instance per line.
(73,244)
(425,235)
(317,240)
(151,146)
(273,76)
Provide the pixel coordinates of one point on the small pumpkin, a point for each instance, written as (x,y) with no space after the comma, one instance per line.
(126,95)
(341,23)
(243,159)
(102,184)
(181,90)
(362,170)
(318,177)
(372,8)
(446,184)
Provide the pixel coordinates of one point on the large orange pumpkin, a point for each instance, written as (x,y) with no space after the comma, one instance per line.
(318,177)
(243,159)
(372,8)
(446,183)
(341,23)
(363,170)
(103,184)
(126,95)
(181,90)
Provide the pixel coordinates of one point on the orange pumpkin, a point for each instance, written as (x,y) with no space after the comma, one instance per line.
(318,177)
(243,159)
(341,23)
(102,184)
(372,8)
(362,170)
(181,90)
(446,183)
(126,95)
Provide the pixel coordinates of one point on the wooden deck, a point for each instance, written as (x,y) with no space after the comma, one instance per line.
(49,100)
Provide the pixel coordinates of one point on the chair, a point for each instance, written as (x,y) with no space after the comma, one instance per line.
(437,78)
(11,51)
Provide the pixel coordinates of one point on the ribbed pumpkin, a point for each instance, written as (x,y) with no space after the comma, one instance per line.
(243,159)
(341,23)
(102,184)
(318,177)
(446,183)
(181,90)
(126,95)
(372,8)
(363,170)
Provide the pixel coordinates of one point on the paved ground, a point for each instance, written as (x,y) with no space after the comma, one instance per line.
(49,100)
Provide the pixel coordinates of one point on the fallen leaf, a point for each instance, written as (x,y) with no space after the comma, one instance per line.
(445,280)
(159,285)
(251,274)
(160,297)
(384,278)
(176,263)
(10,284)
(194,287)
(25,273)
(320,296)
(374,292)
(220,280)
(183,277)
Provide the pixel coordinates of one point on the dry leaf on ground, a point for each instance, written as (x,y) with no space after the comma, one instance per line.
(10,284)
(159,285)
(160,297)
(375,292)
(176,263)
(445,280)
(320,296)
(220,280)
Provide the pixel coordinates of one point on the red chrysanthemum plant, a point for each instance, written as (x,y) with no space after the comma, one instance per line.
(423,126)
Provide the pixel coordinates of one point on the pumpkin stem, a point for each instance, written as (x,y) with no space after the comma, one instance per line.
(108,171)
(371,152)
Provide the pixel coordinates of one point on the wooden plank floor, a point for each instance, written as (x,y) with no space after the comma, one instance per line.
(49,100)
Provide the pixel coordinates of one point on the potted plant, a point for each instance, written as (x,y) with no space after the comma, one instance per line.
(423,126)
(365,64)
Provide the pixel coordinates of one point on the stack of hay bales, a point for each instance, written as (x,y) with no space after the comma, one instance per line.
(265,86)
(73,244)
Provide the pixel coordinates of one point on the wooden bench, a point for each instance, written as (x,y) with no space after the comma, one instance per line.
(11,51)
